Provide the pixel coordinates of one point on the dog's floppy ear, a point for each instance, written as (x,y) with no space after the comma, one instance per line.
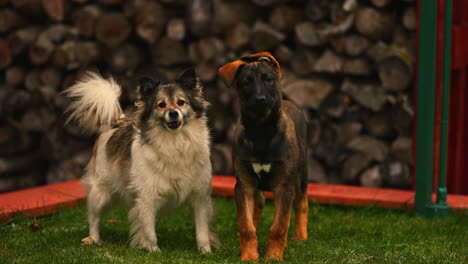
(148,86)
(228,71)
(188,79)
(264,56)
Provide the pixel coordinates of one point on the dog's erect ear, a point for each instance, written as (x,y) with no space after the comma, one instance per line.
(148,86)
(264,56)
(188,79)
(228,72)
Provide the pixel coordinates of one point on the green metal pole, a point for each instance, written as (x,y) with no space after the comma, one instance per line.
(426,101)
(441,208)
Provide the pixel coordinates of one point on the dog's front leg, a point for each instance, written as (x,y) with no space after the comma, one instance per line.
(247,231)
(279,229)
(202,212)
(142,221)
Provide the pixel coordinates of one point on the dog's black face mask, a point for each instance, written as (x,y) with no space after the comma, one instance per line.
(257,85)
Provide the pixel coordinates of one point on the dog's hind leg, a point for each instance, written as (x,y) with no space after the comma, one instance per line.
(301,204)
(142,225)
(259,203)
(202,212)
(279,230)
(97,200)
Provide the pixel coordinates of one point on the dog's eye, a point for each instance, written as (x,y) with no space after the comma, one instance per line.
(268,80)
(181,102)
(162,105)
(247,81)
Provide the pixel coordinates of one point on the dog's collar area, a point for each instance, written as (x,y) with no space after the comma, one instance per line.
(259,167)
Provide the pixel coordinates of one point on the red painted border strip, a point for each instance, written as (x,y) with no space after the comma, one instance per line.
(50,198)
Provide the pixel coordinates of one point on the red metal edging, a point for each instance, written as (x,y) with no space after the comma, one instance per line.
(51,198)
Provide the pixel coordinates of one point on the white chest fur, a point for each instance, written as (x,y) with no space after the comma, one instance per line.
(259,167)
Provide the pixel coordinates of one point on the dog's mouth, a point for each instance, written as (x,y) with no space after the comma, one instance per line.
(173,125)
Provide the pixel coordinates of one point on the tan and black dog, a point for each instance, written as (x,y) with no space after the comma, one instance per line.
(269,154)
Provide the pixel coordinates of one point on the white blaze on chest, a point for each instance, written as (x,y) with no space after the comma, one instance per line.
(259,167)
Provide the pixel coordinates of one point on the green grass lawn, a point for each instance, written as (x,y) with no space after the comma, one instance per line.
(336,235)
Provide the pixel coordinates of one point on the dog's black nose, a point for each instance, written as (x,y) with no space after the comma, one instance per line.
(260,99)
(173,114)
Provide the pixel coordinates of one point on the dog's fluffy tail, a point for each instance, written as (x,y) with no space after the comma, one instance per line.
(95,102)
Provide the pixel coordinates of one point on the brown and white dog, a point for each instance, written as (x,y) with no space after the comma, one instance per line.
(154,161)
(269,154)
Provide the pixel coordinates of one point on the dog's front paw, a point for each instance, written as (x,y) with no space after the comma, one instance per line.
(89,241)
(205,249)
(250,256)
(274,255)
(150,246)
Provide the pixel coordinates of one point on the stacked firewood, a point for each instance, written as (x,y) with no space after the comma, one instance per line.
(348,63)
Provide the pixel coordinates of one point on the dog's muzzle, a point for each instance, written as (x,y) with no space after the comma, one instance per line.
(173,119)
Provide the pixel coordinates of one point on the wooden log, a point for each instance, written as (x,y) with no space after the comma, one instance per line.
(51,77)
(355,45)
(329,62)
(150,21)
(9,20)
(5,54)
(349,5)
(357,67)
(20,163)
(112,29)
(315,171)
(402,149)
(205,49)
(221,159)
(85,20)
(54,9)
(265,3)
(125,58)
(206,71)
(396,174)
(402,119)
(41,50)
(394,74)
(317,10)
(229,13)
(373,147)
(110,2)
(23,38)
(59,58)
(372,177)
(379,124)
(265,37)
(354,166)
(176,29)
(369,95)
(283,54)
(302,62)
(32,82)
(334,105)
(14,76)
(237,36)
(200,17)
(310,34)
(86,52)
(309,93)
(168,52)
(28,7)
(14,141)
(408,18)
(38,119)
(374,24)
(284,18)
(381,3)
